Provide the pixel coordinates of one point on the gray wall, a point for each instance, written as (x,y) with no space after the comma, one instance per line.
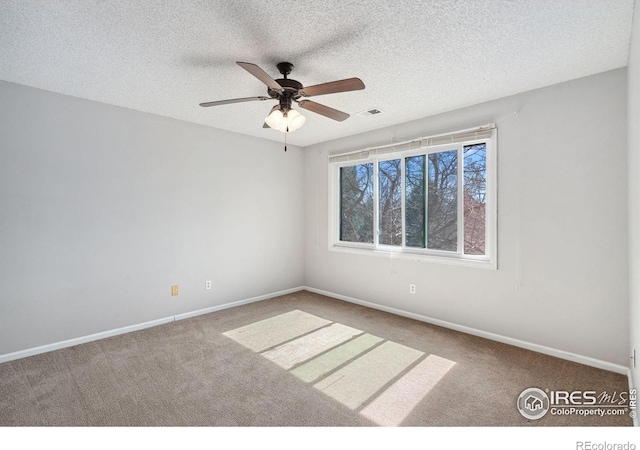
(634,188)
(103,208)
(562,280)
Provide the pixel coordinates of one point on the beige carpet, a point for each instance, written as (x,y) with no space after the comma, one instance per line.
(297,360)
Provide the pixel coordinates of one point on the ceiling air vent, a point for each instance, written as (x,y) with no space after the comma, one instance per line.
(369,112)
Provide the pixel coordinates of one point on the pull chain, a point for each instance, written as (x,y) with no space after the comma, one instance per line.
(285,139)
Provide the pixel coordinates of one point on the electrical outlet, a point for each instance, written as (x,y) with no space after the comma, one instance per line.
(174,290)
(207,285)
(412,288)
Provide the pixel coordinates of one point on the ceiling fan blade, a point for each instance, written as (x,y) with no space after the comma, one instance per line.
(265,125)
(350,84)
(261,75)
(235,100)
(323,110)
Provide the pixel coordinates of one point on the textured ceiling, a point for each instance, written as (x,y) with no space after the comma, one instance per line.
(416,58)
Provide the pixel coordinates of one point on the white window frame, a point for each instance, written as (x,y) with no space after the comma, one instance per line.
(487,261)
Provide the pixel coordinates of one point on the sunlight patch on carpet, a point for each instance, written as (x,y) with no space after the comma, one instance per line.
(392,406)
(382,379)
(355,383)
(331,360)
(259,336)
(300,350)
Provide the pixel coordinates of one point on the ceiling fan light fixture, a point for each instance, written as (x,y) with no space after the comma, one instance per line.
(276,120)
(285,122)
(295,120)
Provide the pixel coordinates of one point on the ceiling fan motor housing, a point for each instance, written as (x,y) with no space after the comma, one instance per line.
(291,87)
(291,90)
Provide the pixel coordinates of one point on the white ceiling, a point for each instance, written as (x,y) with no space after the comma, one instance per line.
(416,58)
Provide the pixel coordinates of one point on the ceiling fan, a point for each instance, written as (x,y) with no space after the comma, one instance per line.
(282,116)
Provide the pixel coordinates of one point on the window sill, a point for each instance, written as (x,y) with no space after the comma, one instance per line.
(454,260)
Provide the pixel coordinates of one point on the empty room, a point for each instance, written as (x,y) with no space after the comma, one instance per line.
(319,214)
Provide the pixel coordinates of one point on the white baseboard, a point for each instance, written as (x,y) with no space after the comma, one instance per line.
(140,326)
(82,340)
(588,361)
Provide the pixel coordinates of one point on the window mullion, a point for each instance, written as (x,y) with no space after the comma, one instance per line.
(403,173)
(425,183)
(376,205)
(337,206)
(460,244)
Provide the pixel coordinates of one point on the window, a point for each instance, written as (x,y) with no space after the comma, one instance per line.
(428,198)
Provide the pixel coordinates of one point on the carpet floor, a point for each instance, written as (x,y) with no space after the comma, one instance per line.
(297,360)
